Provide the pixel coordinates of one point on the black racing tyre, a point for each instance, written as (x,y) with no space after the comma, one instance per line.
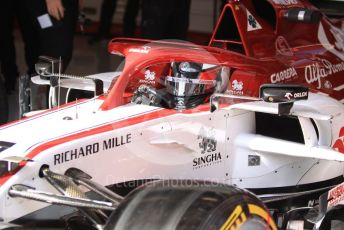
(185,204)
(3,104)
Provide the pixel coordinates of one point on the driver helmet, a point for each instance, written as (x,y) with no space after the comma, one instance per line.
(188,80)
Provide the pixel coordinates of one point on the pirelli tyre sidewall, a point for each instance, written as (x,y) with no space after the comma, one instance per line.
(185,204)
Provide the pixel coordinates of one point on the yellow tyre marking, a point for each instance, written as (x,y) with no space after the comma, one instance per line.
(236,219)
(256,210)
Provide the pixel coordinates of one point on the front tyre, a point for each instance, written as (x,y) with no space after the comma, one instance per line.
(183,204)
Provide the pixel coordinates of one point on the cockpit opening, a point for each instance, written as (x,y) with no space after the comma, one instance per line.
(178,85)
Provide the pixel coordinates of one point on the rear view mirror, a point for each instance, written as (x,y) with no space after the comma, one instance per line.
(47,66)
(283,93)
(302,15)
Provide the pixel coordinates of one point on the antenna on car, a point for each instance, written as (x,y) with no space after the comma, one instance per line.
(76,109)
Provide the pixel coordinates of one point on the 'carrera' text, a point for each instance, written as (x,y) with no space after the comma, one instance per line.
(283,75)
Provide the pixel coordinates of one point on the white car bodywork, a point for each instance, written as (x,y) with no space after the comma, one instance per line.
(135,142)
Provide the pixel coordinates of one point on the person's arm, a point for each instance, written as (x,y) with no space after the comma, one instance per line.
(55,8)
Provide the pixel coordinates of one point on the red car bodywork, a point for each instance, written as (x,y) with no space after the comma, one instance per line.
(259,44)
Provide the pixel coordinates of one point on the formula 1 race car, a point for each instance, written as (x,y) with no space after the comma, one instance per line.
(204,124)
